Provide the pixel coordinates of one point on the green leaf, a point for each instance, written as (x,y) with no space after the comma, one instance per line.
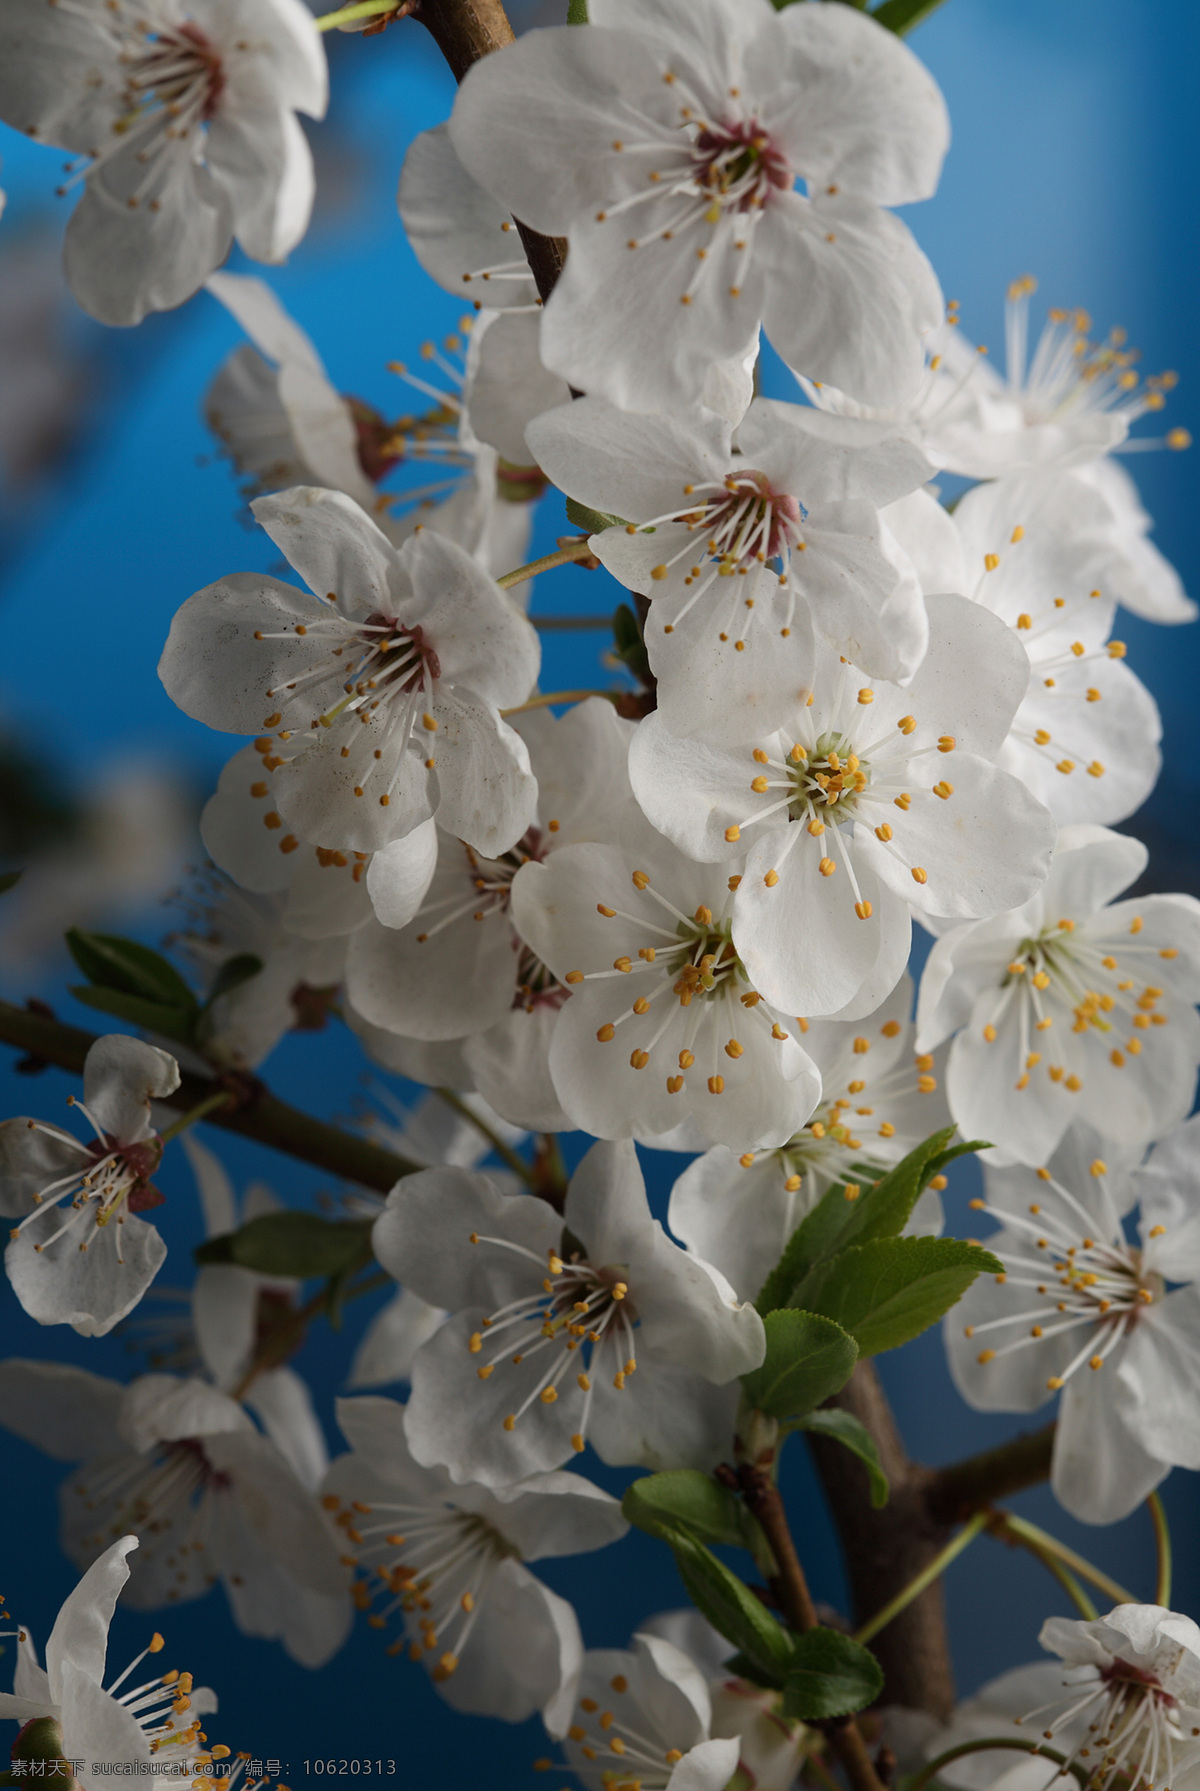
(577,12)
(9,880)
(901,16)
(740,1666)
(808,1358)
(592,522)
(891,1289)
(123,964)
(153,1016)
(233,973)
(731,1607)
(629,643)
(661,1502)
(829,1675)
(881,1210)
(847,1430)
(294,1244)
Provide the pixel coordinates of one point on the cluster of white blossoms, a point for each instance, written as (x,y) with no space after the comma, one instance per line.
(670,913)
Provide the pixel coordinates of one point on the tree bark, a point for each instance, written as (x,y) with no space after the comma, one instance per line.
(886,1549)
(465,31)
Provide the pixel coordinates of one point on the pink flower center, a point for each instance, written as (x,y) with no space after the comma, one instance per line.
(739,165)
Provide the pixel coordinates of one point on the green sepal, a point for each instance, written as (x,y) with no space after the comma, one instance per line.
(233,973)
(577,12)
(808,1357)
(846,1429)
(881,1210)
(41,1738)
(829,1675)
(901,16)
(629,643)
(298,1245)
(660,1503)
(890,1290)
(592,522)
(152,1016)
(113,963)
(732,1608)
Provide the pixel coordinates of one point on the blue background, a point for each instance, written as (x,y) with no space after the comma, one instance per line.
(1074,159)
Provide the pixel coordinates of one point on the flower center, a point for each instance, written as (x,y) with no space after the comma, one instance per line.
(579,1312)
(1134,1726)
(695,962)
(1087,1282)
(739,166)
(613,1733)
(109,1179)
(1068,974)
(746,528)
(429,1564)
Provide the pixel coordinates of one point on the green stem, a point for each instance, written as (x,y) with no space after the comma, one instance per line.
(985,1746)
(345,15)
(593,624)
(1004,1523)
(558,696)
(935,1569)
(199,1112)
(497,1143)
(1162,1541)
(562,556)
(1067,1581)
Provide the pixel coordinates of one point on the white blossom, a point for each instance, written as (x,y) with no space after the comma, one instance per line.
(91,1265)
(604,1331)
(878,1102)
(182,114)
(463,968)
(180,1465)
(719,1057)
(1073,1006)
(449,1560)
(393,665)
(1082,1310)
(748,543)
(666,145)
(1134,1675)
(1038,552)
(868,799)
(139,1723)
(644,1716)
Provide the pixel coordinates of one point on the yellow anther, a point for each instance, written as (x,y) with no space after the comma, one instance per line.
(866,695)
(919,875)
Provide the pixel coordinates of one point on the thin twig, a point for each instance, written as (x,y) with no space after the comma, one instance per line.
(593,624)
(502,1150)
(1021,1530)
(559,696)
(1162,1542)
(985,1746)
(253,1113)
(926,1577)
(562,556)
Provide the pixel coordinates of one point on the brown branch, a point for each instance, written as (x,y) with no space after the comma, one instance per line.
(887,1549)
(790,1587)
(465,31)
(257,1113)
(953,1493)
